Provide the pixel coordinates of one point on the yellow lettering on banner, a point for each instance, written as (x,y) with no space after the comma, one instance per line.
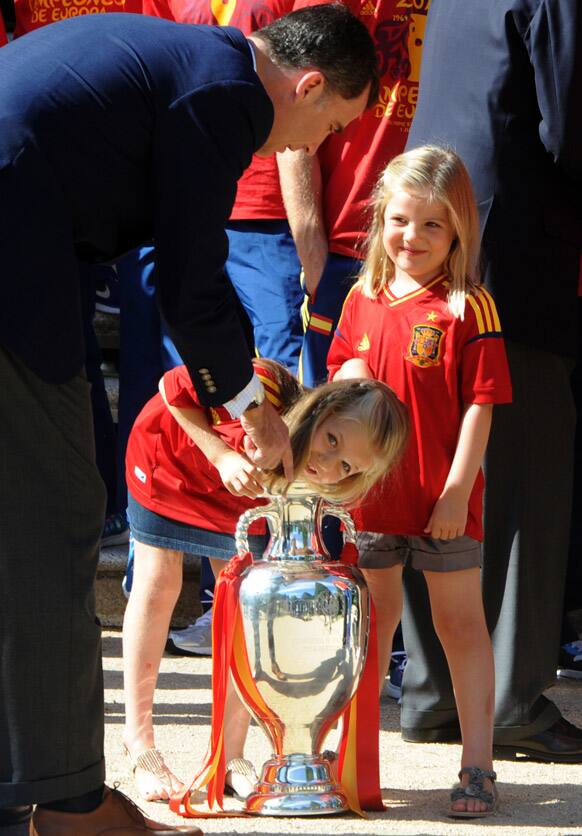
(223,10)
(75,11)
(416,5)
(399,101)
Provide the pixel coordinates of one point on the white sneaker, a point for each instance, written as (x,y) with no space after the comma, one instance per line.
(194,640)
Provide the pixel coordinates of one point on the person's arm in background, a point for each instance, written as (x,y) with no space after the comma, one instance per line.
(553,40)
(300,177)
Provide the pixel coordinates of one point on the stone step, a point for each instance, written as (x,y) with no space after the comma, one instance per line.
(110,599)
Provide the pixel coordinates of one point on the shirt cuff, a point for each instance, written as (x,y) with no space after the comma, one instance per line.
(254,390)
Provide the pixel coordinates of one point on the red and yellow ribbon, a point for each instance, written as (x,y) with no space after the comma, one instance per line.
(358,762)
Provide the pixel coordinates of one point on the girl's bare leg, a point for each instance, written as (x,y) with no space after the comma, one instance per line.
(385,587)
(459,620)
(157,582)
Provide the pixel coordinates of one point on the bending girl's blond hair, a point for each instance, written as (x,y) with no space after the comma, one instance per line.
(440,175)
(369,402)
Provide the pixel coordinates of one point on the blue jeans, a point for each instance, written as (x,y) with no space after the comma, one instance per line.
(264,269)
(162,532)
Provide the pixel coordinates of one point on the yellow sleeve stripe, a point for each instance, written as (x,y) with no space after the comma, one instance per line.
(272,390)
(274,399)
(493,308)
(485,311)
(484,304)
(478,315)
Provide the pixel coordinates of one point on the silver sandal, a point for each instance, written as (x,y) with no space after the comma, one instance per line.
(474,789)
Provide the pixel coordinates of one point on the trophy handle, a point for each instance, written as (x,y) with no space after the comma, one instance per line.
(244,522)
(329,510)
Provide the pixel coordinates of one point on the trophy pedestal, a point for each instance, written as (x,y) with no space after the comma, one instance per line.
(297,785)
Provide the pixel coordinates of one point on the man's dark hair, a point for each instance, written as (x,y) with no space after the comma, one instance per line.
(331,39)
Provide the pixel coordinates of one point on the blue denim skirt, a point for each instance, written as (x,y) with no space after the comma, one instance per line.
(155,530)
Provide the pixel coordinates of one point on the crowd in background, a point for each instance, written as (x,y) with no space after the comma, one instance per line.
(296,238)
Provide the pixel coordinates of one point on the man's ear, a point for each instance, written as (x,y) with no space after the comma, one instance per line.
(309,87)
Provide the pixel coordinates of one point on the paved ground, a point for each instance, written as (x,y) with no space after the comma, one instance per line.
(536,799)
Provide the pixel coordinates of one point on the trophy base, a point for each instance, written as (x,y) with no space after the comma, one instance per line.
(297,785)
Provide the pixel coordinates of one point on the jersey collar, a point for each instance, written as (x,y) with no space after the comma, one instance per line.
(398,300)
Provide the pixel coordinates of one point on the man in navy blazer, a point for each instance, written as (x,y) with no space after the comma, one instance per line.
(502,83)
(116,130)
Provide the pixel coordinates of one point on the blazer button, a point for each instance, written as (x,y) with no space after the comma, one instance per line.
(212,389)
(203,371)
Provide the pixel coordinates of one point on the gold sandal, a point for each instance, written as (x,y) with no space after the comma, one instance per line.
(151,761)
(245,771)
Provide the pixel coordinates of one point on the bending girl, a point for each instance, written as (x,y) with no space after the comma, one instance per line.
(189,482)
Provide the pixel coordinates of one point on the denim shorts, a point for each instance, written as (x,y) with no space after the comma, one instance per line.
(382,551)
(155,530)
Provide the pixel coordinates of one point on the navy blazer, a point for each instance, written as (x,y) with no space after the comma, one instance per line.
(502,83)
(117,130)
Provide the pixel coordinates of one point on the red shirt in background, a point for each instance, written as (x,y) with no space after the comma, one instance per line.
(258,194)
(32,14)
(169,475)
(352,161)
(3,38)
(435,363)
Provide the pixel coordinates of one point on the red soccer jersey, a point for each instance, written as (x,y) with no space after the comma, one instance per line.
(169,475)
(3,38)
(258,195)
(435,363)
(32,14)
(352,161)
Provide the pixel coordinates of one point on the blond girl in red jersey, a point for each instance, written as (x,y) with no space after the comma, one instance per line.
(418,320)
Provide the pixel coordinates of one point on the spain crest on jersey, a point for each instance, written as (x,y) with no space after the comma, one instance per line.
(425,346)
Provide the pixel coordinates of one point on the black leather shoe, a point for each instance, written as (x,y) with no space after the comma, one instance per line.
(560,743)
(15,815)
(449,733)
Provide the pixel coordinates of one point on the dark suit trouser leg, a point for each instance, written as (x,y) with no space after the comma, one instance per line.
(527,511)
(51,512)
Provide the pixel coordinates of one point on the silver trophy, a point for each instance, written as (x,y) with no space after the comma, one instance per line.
(306,633)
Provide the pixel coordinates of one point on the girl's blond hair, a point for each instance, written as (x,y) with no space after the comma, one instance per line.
(440,175)
(369,402)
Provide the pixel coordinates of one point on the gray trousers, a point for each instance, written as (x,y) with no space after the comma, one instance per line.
(528,471)
(52,503)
